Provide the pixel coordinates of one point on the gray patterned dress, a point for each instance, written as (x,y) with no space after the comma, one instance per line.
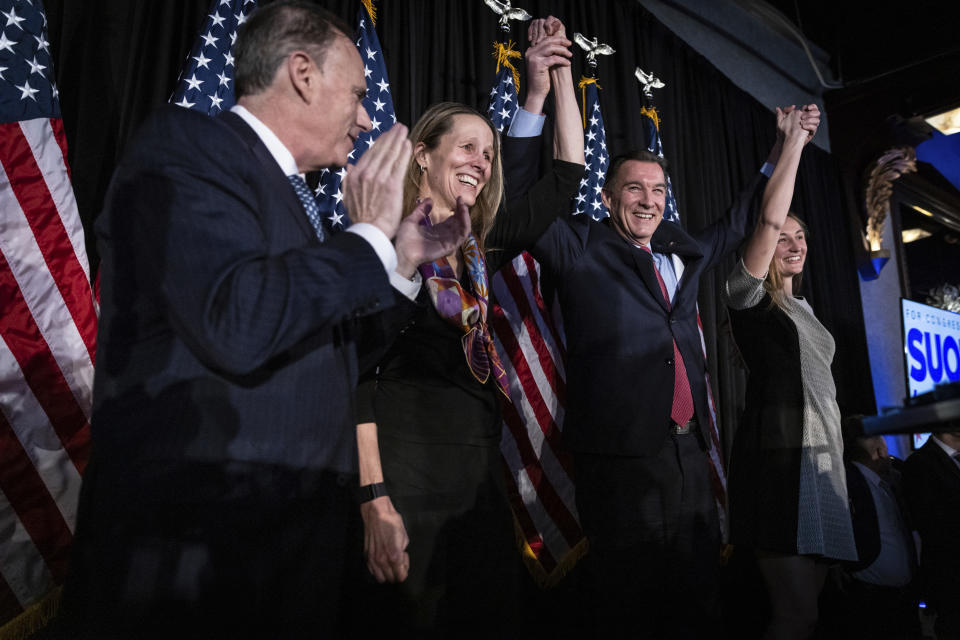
(823,525)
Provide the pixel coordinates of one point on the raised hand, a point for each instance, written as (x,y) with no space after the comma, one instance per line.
(554,27)
(789,124)
(549,50)
(416,243)
(782,114)
(373,188)
(810,120)
(542,27)
(778,193)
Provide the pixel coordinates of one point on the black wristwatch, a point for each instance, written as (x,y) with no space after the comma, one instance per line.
(370,491)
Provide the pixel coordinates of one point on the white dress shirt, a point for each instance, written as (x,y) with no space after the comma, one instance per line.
(892,567)
(947,449)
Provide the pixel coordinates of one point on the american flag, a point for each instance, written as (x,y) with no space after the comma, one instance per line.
(379,106)
(718,476)
(206,81)
(503,97)
(595,152)
(651,127)
(48,324)
(529,339)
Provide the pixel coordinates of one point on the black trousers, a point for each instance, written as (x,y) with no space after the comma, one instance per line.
(189,550)
(862,610)
(652,569)
(464,561)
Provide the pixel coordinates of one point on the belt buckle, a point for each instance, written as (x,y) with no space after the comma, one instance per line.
(682,429)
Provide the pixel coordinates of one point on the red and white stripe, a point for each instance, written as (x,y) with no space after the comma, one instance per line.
(48,323)
(531,345)
(718,474)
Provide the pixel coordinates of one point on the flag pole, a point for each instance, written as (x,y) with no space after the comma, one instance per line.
(648,83)
(593,48)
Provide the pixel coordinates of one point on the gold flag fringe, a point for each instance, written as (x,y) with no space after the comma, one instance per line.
(540,576)
(584,81)
(651,113)
(503,53)
(371,10)
(36,617)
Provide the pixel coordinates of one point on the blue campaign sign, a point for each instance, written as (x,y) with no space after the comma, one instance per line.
(931,345)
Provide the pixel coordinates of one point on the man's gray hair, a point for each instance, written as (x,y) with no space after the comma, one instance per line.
(275,31)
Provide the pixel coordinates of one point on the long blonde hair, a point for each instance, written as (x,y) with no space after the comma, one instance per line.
(773,283)
(435,123)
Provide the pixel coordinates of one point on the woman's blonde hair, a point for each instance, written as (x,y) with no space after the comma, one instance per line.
(435,123)
(773,283)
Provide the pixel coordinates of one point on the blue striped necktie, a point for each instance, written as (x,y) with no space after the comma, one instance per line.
(309,204)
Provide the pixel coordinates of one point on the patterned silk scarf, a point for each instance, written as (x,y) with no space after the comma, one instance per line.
(466,307)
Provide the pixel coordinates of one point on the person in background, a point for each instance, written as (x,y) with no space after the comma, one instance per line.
(931,482)
(787,490)
(878,597)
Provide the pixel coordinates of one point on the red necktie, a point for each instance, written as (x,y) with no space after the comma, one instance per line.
(682,409)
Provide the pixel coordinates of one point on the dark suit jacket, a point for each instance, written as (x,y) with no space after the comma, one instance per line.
(863,513)
(225,332)
(931,482)
(620,370)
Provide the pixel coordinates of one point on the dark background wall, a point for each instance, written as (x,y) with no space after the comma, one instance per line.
(117,60)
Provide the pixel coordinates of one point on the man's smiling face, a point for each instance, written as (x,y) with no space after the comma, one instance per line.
(637,200)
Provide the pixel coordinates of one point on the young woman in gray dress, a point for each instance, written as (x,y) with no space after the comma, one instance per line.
(787,490)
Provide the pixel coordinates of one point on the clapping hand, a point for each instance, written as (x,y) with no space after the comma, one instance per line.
(417,243)
(373,188)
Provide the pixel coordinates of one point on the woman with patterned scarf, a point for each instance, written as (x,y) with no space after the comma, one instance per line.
(435,513)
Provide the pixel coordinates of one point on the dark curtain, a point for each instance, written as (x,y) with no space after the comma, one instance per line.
(118,59)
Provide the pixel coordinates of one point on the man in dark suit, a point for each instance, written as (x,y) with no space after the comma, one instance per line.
(931,481)
(636,395)
(223,466)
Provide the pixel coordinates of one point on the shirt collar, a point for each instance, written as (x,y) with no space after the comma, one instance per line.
(947,449)
(276,148)
(869,474)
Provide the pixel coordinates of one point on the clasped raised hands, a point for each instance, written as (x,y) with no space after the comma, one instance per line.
(549,49)
(798,124)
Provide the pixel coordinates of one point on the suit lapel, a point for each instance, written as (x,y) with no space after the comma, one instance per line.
(947,465)
(671,240)
(643,263)
(285,195)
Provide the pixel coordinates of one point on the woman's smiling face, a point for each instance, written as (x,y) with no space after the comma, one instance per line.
(460,164)
(791,250)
